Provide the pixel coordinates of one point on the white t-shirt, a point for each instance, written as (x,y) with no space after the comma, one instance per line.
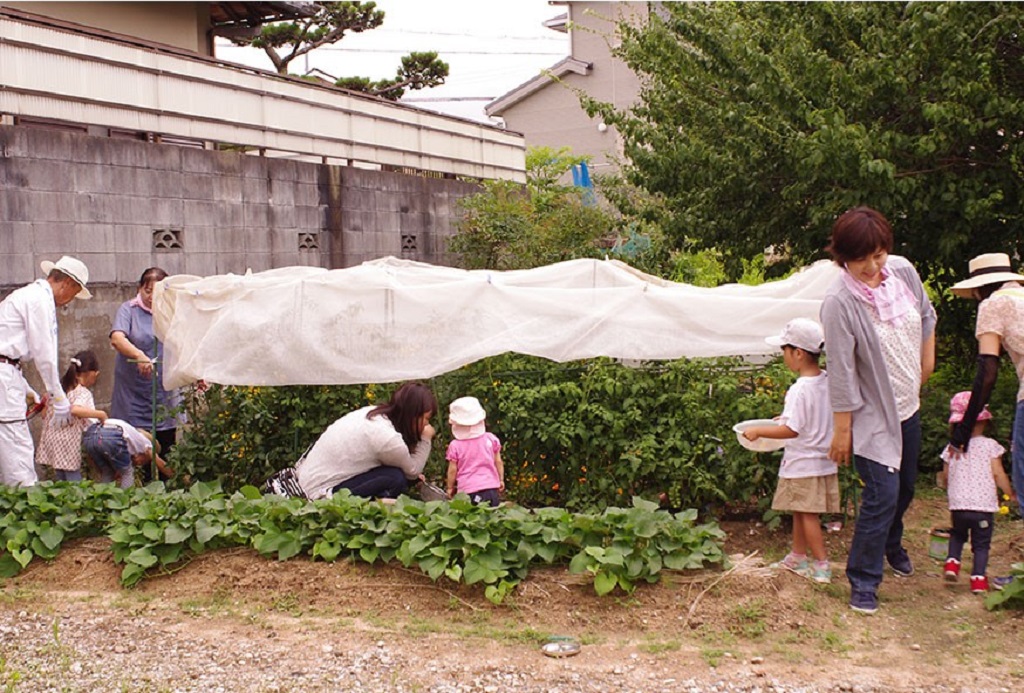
(135,441)
(808,412)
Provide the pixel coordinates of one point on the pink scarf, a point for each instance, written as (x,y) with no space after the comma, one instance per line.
(892,299)
(137,302)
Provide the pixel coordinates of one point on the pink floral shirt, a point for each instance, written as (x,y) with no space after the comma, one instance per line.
(61,448)
(1003,314)
(971,484)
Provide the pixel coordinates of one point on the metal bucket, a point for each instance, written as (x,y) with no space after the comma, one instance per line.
(938,544)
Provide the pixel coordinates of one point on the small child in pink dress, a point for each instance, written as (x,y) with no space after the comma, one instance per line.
(474,457)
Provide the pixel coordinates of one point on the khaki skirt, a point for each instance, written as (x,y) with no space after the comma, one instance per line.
(811,494)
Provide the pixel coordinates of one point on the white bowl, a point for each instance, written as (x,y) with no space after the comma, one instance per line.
(761,444)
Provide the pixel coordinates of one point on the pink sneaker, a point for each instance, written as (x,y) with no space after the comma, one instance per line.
(951,571)
(979,584)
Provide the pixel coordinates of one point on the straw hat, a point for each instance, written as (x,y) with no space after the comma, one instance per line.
(990,268)
(72,267)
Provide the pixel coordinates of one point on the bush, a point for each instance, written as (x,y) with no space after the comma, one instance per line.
(584,435)
(241,435)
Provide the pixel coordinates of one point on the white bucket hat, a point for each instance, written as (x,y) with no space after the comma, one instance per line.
(467,418)
(72,267)
(990,268)
(803,333)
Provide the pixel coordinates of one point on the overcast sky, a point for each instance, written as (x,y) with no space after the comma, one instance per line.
(490,47)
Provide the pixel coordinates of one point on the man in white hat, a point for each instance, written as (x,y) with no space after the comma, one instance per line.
(28,332)
(1000,325)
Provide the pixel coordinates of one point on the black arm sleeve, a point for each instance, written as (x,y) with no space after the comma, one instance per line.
(984,381)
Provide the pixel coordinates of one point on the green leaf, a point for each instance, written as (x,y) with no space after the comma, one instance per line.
(52,537)
(434,567)
(418,543)
(207,530)
(625,584)
(604,582)
(142,557)
(581,562)
(288,548)
(474,572)
(250,492)
(176,534)
(9,567)
(23,557)
(327,550)
(131,574)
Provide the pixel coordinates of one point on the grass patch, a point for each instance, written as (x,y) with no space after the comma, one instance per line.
(831,641)
(660,646)
(713,656)
(218,603)
(749,618)
(288,604)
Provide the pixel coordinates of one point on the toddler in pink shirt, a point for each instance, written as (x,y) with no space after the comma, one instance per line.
(474,456)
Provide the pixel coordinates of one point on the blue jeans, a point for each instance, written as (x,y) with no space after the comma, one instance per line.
(379,482)
(108,450)
(911,431)
(1017,455)
(67,474)
(890,495)
(878,503)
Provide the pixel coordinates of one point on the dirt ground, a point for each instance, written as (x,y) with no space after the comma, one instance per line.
(696,631)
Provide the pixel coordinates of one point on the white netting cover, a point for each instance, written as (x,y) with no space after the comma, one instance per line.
(389,320)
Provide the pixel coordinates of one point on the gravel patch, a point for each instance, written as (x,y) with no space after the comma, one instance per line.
(88,648)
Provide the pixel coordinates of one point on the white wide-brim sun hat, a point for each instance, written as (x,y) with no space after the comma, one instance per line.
(466,417)
(72,267)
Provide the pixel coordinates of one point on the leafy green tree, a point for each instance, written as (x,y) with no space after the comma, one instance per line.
(511,226)
(758,123)
(283,42)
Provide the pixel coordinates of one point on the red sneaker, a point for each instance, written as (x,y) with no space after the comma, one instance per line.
(979,584)
(951,569)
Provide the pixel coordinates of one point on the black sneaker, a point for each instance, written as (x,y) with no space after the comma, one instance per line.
(864,602)
(901,565)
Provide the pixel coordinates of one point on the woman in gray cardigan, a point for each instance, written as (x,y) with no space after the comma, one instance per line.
(880,340)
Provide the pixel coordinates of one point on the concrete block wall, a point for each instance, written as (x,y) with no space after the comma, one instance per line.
(396,214)
(115,203)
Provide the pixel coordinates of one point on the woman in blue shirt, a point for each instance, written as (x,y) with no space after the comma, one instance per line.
(133,338)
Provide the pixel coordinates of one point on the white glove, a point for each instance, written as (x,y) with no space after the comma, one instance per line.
(61,410)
